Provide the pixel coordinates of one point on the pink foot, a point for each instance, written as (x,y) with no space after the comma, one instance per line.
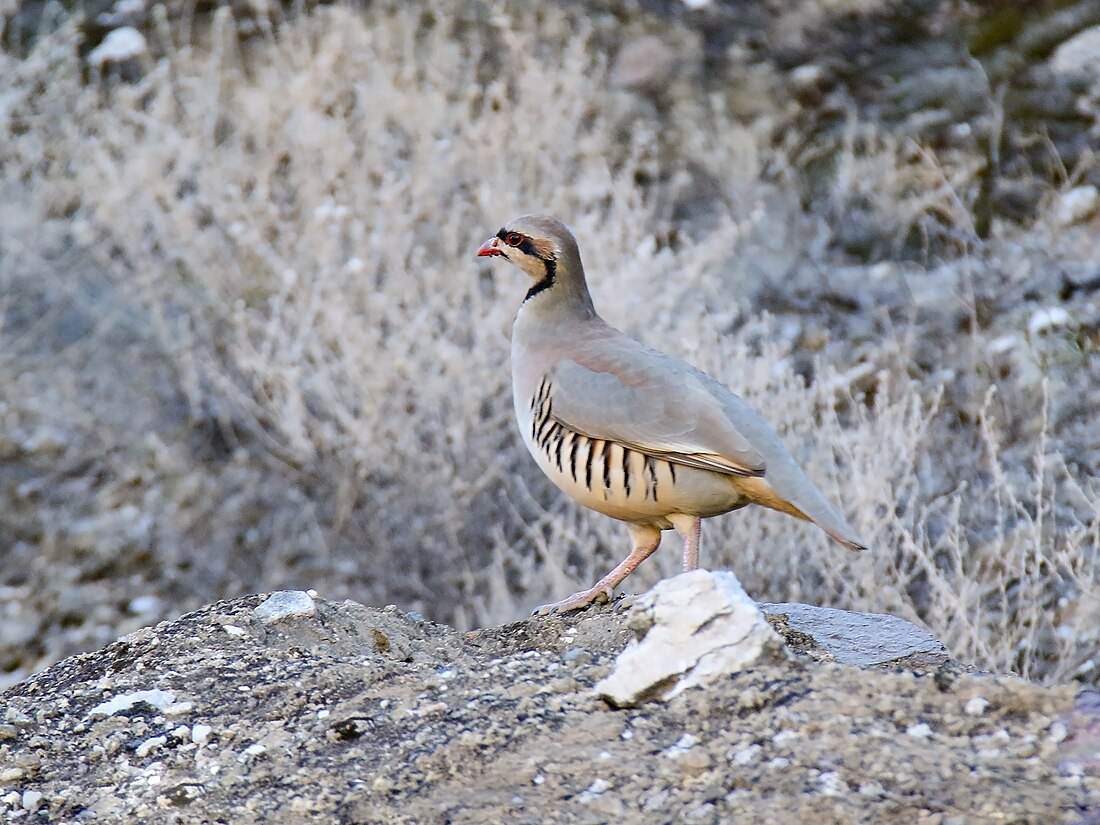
(593,595)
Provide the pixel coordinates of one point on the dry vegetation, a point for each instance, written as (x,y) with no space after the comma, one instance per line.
(246,344)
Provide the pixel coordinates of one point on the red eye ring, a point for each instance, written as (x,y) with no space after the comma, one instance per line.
(513,239)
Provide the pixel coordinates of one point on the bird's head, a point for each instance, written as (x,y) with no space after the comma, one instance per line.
(546,250)
(537,244)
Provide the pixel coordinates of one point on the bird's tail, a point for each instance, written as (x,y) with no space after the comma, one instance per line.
(759,491)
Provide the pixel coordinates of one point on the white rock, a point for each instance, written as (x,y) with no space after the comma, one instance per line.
(1076,204)
(1057,732)
(45,440)
(118,46)
(285,604)
(747,755)
(125,701)
(807,75)
(1080,55)
(643,62)
(919,731)
(144,604)
(11,774)
(31,800)
(598,787)
(1045,320)
(682,746)
(696,628)
(253,750)
(129,7)
(975,706)
(831,784)
(200,734)
(149,745)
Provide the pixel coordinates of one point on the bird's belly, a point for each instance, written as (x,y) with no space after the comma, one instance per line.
(626,484)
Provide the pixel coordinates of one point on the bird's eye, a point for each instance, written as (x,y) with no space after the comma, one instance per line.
(513,239)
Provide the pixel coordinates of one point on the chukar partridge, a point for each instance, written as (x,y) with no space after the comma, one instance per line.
(628,431)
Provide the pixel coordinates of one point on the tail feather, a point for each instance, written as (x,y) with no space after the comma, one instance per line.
(760,491)
(845,540)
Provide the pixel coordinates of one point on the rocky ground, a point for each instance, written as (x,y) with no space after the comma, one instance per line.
(298,709)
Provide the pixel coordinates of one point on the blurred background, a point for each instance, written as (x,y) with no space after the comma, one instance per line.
(245,343)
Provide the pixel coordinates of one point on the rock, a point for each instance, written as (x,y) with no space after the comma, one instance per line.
(856,639)
(975,706)
(120,47)
(694,628)
(31,800)
(285,604)
(157,698)
(1047,320)
(649,63)
(1080,55)
(200,734)
(1076,205)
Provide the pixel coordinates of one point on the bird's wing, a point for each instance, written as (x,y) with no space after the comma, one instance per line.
(652,404)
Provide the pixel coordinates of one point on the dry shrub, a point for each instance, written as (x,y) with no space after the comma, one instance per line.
(295,224)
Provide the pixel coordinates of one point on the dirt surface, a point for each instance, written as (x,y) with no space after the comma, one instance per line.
(339,712)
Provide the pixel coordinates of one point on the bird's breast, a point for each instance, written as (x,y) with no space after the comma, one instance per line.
(616,479)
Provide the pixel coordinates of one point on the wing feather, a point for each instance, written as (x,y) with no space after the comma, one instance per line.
(655,405)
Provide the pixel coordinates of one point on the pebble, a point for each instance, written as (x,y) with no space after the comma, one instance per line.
(1045,320)
(144,605)
(149,745)
(31,800)
(255,749)
(598,786)
(157,698)
(975,706)
(1079,55)
(919,731)
(200,734)
(831,784)
(118,46)
(285,604)
(682,746)
(1076,205)
(747,755)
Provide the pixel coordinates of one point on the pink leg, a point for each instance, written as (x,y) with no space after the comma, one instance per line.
(690,528)
(646,540)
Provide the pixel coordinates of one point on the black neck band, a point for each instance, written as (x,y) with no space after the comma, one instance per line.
(545,282)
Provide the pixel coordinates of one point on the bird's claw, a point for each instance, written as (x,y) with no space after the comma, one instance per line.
(594,595)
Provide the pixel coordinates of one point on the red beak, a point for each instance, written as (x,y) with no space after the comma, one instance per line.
(490,248)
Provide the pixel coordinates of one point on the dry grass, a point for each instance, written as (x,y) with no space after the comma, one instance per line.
(294,372)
